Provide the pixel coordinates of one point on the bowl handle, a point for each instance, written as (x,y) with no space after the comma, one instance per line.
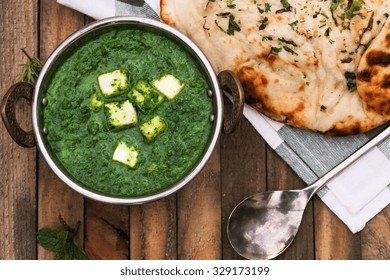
(8,105)
(229,83)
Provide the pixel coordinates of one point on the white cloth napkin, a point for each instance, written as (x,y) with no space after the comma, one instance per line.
(99,9)
(355,196)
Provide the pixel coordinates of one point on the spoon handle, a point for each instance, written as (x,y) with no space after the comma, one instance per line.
(312,189)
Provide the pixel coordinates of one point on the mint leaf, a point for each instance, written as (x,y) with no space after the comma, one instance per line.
(61,241)
(71,252)
(52,239)
(63,255)
(78,254)
(67,227)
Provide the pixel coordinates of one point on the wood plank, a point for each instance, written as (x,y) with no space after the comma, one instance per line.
(199,214)
(153,230)
(333,240)
(281,177)
(106,231)
(243,172)
(18,27)
(54,198)
(375,237)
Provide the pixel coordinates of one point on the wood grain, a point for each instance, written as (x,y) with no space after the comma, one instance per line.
(154,230)
(54,197)
(106,231)
(243,173)
(199,214)
(333,240)
(18,28)
(375,241)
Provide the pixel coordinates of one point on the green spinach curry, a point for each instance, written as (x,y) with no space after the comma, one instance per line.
(128,113)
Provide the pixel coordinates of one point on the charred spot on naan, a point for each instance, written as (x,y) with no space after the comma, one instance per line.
(345,128)
(373,76)
(373,82)
(376,97)
(251,79)
(294,116)
(387,41)
(385,107)
(364,75)
(253,84)
(386,82)
(268,58)
(256,95)
(378,58)
(377,103)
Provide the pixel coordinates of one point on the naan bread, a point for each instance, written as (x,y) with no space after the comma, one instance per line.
(319,65)
(373,76)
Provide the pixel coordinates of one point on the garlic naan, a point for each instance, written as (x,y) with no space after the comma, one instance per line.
(319,65)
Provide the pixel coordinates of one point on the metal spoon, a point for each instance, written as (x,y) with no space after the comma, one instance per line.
(263,225)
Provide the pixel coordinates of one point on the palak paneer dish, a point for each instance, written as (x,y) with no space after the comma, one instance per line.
(128,113)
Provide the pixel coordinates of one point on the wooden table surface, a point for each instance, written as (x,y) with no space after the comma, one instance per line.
(190,224)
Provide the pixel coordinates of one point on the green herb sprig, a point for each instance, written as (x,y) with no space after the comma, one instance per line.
(348,11)
(31,69)
(263,23)
(286,7)
(289,42)
(352,9)
(274,51)
(265,10)
(333,7)
(231,4)
(233,25)
(61,241)
(293,24)
(351,80)
(286,4)
(290,50)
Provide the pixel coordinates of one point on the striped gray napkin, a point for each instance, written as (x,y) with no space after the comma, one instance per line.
(134,8)
(355,196)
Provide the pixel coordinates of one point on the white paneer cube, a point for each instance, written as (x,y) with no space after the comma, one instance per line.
(169,85)
(113,83)
(126,155)
(121,114)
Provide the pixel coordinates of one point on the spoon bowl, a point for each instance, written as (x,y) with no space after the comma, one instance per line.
(264,225)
